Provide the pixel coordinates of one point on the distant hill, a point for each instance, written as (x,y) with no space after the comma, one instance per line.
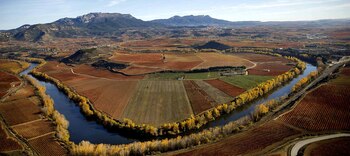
(201,20)
(93,24)
(213,45)
(116,24)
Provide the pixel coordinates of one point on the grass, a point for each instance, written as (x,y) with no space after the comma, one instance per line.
(246,81)
(242,81)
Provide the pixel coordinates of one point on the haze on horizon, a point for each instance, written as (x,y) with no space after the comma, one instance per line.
(15,13)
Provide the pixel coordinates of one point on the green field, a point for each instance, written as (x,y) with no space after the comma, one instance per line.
(243,81)
(158,101)
(246,81)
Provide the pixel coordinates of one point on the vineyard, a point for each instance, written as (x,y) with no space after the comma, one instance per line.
(225,87)
(199,100)
(325,108)
(253,140)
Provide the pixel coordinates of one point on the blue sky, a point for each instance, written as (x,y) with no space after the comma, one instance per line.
(14,13)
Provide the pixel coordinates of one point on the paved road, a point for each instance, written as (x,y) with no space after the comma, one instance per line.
(302,143)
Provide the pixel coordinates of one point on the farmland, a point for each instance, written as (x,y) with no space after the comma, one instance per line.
(6,82)
(266,65)
(21,112)
(338,146)
(153,62)
(199,99)
(323,110)
(254,140)
(219,96)
(225,87)
(157,102)
(119,95)
(8,143)
(109,96)
(246,81)
(12,66)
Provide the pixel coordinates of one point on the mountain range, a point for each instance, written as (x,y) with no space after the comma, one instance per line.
(114,24)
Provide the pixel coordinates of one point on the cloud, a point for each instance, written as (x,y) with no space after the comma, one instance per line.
(114,2)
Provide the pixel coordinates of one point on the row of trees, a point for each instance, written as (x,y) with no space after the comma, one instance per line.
(49,110)
(191,123)
(302,82)
(165,145)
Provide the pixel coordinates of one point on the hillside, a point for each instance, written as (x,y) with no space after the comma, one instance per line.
(201,20)
(93,24)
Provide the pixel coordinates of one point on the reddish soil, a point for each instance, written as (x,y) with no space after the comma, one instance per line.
(199,99)
(109,96)
(7,143)
(142,63)
(216,59)
(24,92)
(19,111)
(269,69)
(137,57)
(6,80)
(91,71)
(276,65)
(132,70)
(262,44)
(34,129)
(326,108)
(332,147)
(163,43)
(261,58)
(225,87)
(345,71)
(47,145)
(253,140)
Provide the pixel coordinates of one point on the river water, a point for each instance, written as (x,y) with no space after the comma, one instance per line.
(80,128)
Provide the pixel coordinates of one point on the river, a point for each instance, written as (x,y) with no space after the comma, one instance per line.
(80,128)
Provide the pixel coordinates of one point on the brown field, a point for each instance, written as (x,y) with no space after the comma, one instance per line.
(345,71)
(219,96)
(276,65)
(64,72)
(216,59)
(7,143)
(225,87)
(136,57)
(150,62)
(273,67)
(249,43)
(24,92)
(325,108)
(142,63)
(261,58)
(199,99)
(109,92)
(47,145)
(134,70)
(109,96)
(6,82)
(19,111)
(331,147)
(161,43)
(253,140)
(34,129)
(12,66)
(158,102)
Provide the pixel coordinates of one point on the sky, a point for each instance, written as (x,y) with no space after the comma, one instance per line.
(14,13)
